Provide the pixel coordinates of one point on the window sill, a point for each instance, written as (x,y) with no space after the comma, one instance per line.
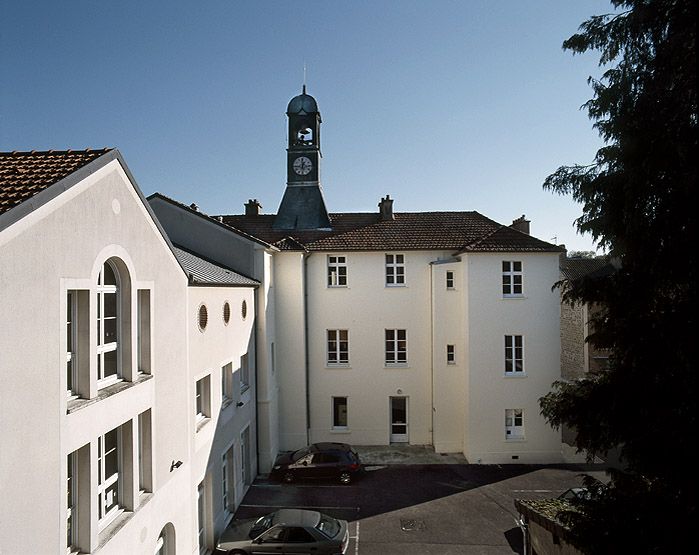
(226,402)
(390,365)
(340,431)
(338,365)
(515,439)
(519,375)
(395,285)
(80,403)
(338,287)
(510,297)
(202,421)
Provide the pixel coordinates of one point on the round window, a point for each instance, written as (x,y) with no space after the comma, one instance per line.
(226,313)
(203,317)
(244,309)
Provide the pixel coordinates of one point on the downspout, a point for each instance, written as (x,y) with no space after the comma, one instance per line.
(432,352)
(257,391)
(306,256)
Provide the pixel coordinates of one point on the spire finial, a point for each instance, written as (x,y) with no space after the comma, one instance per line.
(304,77)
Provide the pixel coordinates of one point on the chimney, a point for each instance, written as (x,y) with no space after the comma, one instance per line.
(194,207)
(252,207)
(521,224)
(386,209)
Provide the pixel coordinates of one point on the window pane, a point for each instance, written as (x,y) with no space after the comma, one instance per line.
(517,266)
(108,277)
(110,364)
(110,330)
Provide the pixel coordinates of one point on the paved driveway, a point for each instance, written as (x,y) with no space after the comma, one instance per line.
(424,509)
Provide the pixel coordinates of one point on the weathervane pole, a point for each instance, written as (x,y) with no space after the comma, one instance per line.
(304,77)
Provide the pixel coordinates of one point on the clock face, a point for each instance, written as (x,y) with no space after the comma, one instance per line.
(303,165)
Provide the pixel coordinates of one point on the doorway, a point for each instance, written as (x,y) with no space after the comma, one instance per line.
(399,419)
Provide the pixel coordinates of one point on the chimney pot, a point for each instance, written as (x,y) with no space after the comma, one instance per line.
(386,208)
(194,207)
(252,207)
(521,224)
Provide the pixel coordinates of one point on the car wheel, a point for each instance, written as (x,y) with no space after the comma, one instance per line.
(288,477)
(237,552)
(345,477)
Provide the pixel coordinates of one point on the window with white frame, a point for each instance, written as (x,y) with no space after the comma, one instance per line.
(245,474)
(395,270)
(244,373)
(338,347)
(107,325)
(514,424)
(396,347)
(226,383)
(511,278)
(340,413)
(71,341)
(108,476)
(202,397)
(337,271)
(145,458)
(201,517)
(71,499)
(451,354)
(450,279)
(514,355)
(228,479)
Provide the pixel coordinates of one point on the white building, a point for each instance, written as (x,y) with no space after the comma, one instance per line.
(435,328)
(154,358)
(127,415)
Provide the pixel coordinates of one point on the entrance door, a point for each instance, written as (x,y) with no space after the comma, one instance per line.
(399,419)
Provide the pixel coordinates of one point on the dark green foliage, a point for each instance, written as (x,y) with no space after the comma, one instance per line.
(638,203)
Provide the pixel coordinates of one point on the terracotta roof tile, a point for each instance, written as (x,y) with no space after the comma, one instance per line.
(458,231)
(25,174)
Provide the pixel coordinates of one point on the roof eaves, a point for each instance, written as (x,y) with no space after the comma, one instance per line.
(25,208)
(212,219)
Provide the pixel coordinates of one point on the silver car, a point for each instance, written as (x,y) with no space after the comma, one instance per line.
(286,531)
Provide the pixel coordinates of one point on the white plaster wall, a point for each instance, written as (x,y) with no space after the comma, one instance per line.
(210,350)
(57,246)
(267,384)
(449,314)
(536,317)
(366,308)
(287,279)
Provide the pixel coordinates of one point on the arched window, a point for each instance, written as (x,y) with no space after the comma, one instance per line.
(107,324)
(166,541)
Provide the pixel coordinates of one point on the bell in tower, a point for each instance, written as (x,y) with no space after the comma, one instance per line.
(303,205)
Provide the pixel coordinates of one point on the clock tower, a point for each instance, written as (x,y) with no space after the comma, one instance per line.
(303,205)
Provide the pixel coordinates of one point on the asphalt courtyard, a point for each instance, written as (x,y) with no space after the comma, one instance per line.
(417,502)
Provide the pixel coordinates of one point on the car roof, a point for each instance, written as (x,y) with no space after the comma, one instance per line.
(330,446)
(296,517)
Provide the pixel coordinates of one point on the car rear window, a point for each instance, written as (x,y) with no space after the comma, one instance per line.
(300,453)
(328,526)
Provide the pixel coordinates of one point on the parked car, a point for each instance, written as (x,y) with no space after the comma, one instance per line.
(319,460)
(286,531)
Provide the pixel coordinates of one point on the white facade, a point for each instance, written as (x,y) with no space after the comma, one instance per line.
(453,384)
(118,459)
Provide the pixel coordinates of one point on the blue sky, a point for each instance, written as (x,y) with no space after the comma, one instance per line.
(444,105)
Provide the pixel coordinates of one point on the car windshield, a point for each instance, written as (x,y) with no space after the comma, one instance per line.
(261,525)
(329,526)
(300,453)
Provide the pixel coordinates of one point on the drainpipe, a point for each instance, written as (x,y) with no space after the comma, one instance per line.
(306,256)
(431,266)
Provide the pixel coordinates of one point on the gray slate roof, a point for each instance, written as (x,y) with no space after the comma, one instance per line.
(205,272)
(576,268)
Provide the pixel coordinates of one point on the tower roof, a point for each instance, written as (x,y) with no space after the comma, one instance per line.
(302,104)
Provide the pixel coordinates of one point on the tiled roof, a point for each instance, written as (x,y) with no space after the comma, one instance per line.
(576,268)
(25,174)
(458,231)
(205,272)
